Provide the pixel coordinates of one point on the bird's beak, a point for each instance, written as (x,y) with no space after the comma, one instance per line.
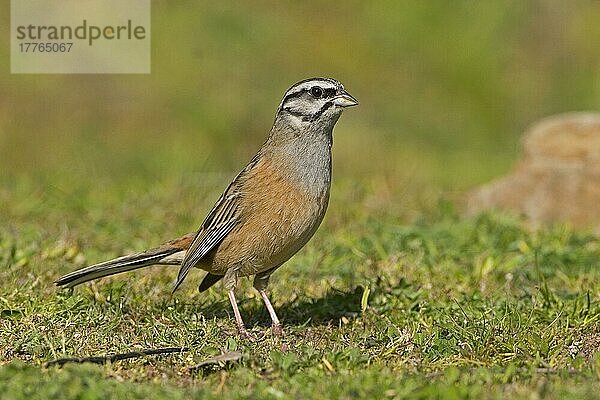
(344,99)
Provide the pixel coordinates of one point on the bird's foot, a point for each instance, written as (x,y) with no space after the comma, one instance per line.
(245,335)
(277,330)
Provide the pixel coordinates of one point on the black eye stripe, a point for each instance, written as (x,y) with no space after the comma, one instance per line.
(294,95)
(328,93)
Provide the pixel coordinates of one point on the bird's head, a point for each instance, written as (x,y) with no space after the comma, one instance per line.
(314,103)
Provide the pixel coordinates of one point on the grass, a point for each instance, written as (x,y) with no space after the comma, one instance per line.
(398,295)
(445,306)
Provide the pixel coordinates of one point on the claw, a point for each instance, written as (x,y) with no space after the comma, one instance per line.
(277,330)
(245,335)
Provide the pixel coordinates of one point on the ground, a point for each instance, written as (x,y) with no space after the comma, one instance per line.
(445,306)
(398,295)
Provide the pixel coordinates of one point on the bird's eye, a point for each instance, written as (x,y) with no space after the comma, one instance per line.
(316,92)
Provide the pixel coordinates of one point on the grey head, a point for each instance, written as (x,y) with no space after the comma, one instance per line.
(314,104)
(302,135)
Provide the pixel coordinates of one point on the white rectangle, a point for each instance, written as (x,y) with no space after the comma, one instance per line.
(80,36)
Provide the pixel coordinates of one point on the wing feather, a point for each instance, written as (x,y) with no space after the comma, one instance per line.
(220,221)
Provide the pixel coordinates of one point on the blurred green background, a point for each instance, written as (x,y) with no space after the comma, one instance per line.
(446,89)
(97,166)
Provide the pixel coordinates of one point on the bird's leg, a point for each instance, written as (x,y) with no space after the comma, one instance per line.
(238,317)
(261,281)
(276,325)
(230,282)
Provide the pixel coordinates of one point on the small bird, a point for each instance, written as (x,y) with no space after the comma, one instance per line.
(267,213)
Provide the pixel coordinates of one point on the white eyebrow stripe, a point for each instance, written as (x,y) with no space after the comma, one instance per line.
(304,86)
(308,85)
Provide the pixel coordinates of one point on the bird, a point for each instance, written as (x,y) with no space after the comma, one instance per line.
(267,213)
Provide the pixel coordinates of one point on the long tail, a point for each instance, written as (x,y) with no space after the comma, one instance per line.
(166,254)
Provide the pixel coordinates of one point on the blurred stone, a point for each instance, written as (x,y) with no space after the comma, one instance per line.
(558,179)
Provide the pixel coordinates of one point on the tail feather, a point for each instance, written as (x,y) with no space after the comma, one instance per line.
(116,266)
(170,253)
(208,281)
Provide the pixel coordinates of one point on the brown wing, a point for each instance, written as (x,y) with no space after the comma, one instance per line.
(221,220)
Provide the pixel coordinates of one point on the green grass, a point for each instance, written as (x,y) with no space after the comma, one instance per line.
(445,306)
(398,295)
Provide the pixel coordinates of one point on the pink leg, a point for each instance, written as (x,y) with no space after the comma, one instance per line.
(238,317)
(276,325)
